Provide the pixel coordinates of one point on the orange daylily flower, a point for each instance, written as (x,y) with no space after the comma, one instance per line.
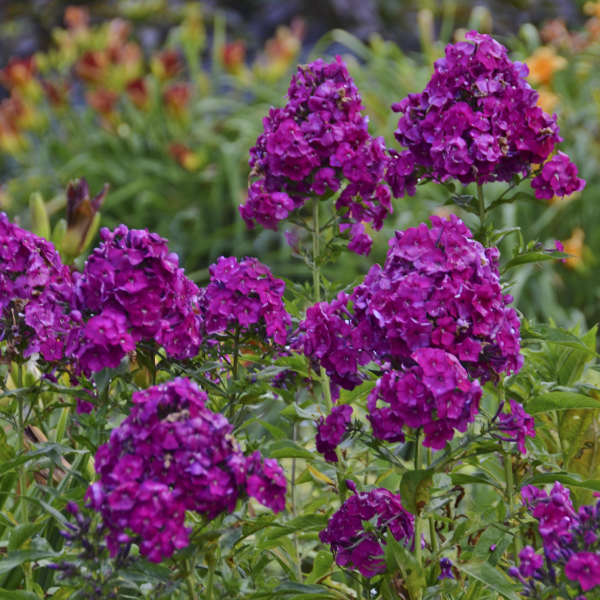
(166,64)
(543,63)
(177,98)
(188,159)
(18,72)
(233,56)
(574,246)
(137,90)
(103,101)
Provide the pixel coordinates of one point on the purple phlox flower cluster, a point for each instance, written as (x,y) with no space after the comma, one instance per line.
(477,120)
(132,289)
(530,562)
(265,481)
(516,425)
(435,394)
(357,546)
(555,514)
(36,292)
(244,295)
(434,310)
(570,540)
(331,431)
(558,177)
(172,454)
(584,567)
(331,338)
(318,144)
(439,288)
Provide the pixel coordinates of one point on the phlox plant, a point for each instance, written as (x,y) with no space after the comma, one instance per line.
(391,437)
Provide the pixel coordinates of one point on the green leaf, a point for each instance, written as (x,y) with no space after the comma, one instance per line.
(15,559)
(562,477)
(560,401)
(288,449)
(299,413)
(415,489)
(531,257)
(17,595)
(295,587)
(462,478)
(510,199)
(321,566)
(492,578)
(275,431)
(20,534)
(573,431)
(555,335)
(304,523)
(571,362)
(399,558)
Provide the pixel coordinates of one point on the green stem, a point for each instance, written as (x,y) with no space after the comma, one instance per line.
(510,487)
(23,471)
(316,273)
(189,580)
(21,443)
(508,474)
(472,589)
(432,533)
(293,501)
(210,583)
(236,352)
(418,519)
(481,204)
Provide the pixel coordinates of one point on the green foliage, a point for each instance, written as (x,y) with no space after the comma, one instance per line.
(465,497)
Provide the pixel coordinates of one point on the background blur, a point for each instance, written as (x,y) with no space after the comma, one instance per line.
(163,99)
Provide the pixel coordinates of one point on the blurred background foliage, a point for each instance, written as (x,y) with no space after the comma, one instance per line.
(162,100)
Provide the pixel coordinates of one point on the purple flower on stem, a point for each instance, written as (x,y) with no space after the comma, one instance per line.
(172,454)
(477,120)
(517,425)
(330,431)
(318,144)
(439,288)
(36,296)
(446,569)
(558,177)
(244,295)
(360,548)
(132,289)
(328,336)
(530,562)
(435,394)
(584,567)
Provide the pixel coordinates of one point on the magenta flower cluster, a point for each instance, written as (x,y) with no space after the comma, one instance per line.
(434,310)
(243,296)
(359,548)
(331,338)
(331,431)
(318,144)
(133,289)
(172,454)
(570,541)
(440,288)
(36,292)
(558,177)
(516,425)
(477,120)
(436,394)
